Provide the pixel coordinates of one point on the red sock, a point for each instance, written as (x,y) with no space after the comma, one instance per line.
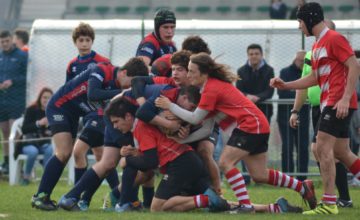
(329,199)
(201,201)
(274,208)
(355,169)
(237,183)
(277,178)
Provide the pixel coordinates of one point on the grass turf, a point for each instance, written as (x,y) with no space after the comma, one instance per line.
(15,204)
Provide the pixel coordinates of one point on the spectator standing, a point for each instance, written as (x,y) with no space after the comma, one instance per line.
(13,62)
(21,39)
(278,9)
(298,137)
(254,80)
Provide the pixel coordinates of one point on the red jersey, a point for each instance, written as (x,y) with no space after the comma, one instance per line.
(329,53)
(219,96)
(149,137)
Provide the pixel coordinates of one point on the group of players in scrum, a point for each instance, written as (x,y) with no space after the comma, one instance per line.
(169,121)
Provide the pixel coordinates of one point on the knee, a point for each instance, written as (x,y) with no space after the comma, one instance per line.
(224,165)
(108,164)
(32,154)
(156,207)
(63,156)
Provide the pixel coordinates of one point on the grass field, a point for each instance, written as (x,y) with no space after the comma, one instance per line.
(15,204)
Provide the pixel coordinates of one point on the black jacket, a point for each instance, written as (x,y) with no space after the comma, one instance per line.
(257,83)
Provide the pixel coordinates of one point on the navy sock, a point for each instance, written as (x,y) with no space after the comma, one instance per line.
(51,176)
(341,182)
(88,182)
(115,191)
(148,194)
(78,173)
(128,190)
(113,179)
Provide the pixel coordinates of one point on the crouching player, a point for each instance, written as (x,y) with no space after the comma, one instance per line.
(183,170)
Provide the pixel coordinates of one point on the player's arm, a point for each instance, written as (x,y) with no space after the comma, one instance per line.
(302,83)
(201,133)
(97,93)
(138,87)
(148,113)
(148,161)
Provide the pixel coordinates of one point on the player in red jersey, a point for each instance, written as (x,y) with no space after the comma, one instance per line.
(248,126)
(336,70)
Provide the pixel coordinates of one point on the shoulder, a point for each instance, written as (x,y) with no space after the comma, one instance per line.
(99,58)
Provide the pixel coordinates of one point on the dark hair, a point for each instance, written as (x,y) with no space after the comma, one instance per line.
(5,34)
(83,29)
(208,66)
(119,107)
(254,46)
(37,102)
(195,44)
(357,54)
(136,67)
(181,58)
(23,35)
(192,92)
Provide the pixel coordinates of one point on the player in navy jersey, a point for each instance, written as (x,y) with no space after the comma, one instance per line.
(93,127)
(80,96)
(83,37)
(158,43)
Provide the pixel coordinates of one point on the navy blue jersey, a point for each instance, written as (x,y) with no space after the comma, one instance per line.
(151,47)
(113,137)
(86,92)
(80,64)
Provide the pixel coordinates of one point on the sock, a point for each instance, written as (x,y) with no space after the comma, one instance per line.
(341,182)
(274,208)
(51,176)
(355,169)
(148,194)
(237,183)
(113,178)
(201,201)
(87,183)
(329,199)
(277,178)
(128,190)
(78,173)
(115,191)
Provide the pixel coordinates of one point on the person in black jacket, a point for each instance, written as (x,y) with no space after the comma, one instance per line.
(254,80)
(35,125)
(290,136)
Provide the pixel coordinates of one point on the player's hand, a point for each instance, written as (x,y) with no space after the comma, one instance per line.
(163,102)
(127,151)
(253,98)
(342,108)
(7,83)
(184,131)
(294,120)
(277,83)
(122,162)
(43,122)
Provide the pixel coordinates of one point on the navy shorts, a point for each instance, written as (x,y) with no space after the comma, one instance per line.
(185,176)
(61,120)
(8,112)
(93,131)
(253,143)
(332,125)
